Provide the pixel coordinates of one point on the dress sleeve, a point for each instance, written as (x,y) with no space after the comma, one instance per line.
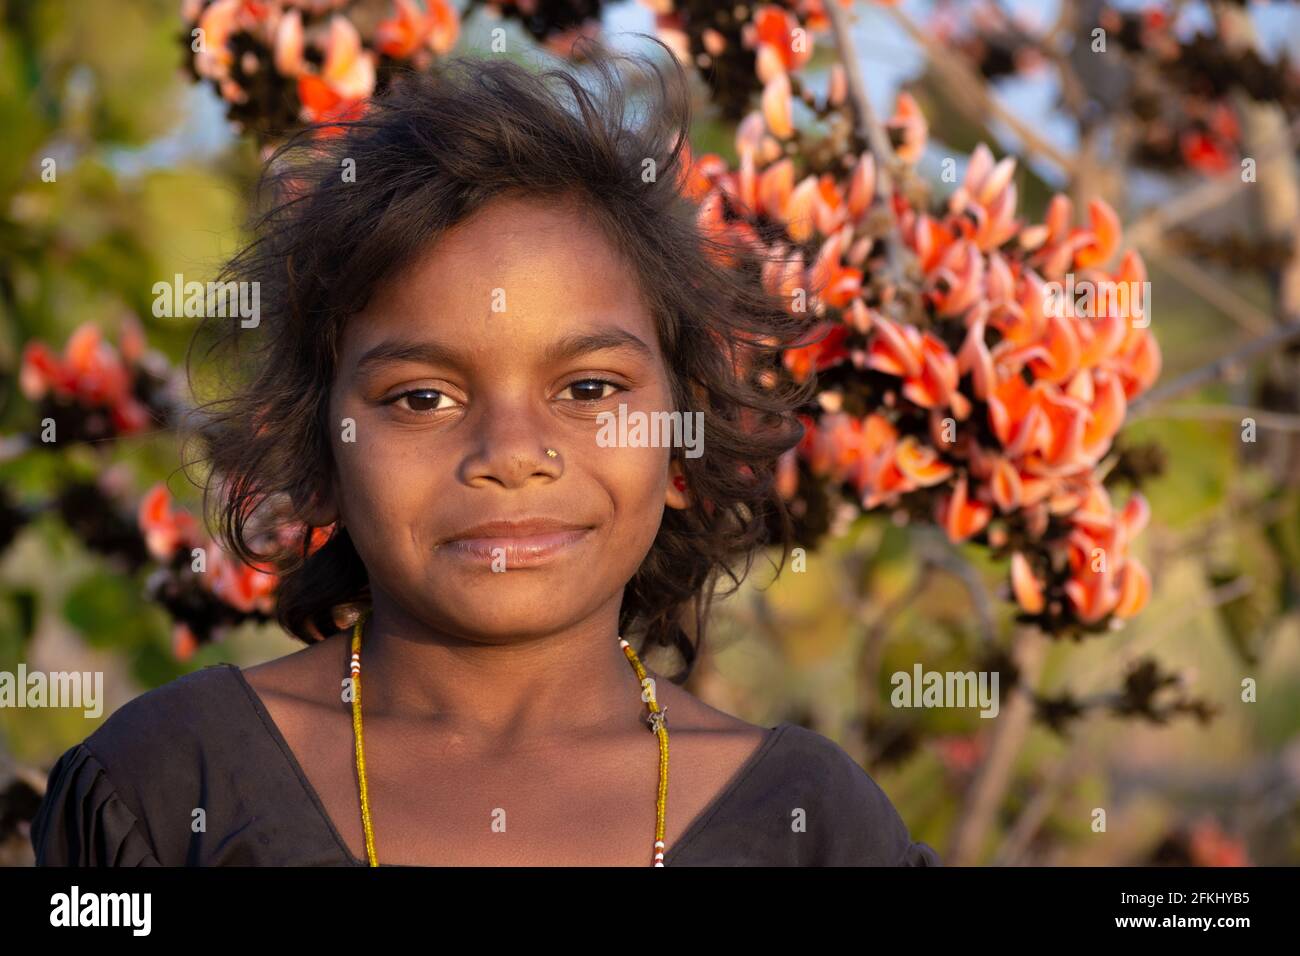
(83,821)
(920,854)
(867,829)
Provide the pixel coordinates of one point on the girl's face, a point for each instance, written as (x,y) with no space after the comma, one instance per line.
(507,337)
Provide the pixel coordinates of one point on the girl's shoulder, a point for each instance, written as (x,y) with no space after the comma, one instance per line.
(125,795)
(166,724)
(806,802)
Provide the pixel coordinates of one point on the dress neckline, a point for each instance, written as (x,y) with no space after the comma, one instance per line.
(696,826)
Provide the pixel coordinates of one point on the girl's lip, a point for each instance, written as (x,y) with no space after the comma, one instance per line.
(518,551)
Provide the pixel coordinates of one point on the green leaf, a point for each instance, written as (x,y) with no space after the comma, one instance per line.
(106,608)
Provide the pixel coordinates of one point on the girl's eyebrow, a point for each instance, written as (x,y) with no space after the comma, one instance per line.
(580,343)
(569,346)
(395,351)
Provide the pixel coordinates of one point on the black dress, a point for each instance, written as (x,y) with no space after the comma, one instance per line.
(124,796)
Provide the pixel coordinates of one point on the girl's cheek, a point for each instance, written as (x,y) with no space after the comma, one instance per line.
(636,477)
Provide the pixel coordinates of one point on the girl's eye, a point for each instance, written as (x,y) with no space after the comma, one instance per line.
(422,400)
(590,389)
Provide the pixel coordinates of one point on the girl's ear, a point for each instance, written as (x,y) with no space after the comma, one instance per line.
(320,510)
(676,496)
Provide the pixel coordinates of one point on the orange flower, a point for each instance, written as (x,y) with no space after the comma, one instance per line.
(1106,413)
(184,643)
(1134,589)
(879,478)
(1208,845)
(834,283)
(774,31)
(1104,235)
(973,357)
(988,198)
(288,56)
(165,531)
(1092,593)
(826,350)
(1005,485)
(862,185)
(1025,585)
(930,240)
(937,384)
(958,280)
(1138,363)
(775,184)
(1059,449)
(724,240)
(928,369)
(833,447)
(776,106)
(785,277)
(91,372)
(910,122)
(961,516)
(800,210)
(920,463)
(243,587)
(322,103)
(444,26)
(1204,153)
(217,23)
(1104,579)
(349,70)
(699,175)
(402,35)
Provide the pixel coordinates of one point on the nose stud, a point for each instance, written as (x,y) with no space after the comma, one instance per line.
(551,453)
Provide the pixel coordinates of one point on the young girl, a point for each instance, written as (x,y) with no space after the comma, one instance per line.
(459,292)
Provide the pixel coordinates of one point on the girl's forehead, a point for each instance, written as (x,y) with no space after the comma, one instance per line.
(534,323)
(518,223)
(516,274)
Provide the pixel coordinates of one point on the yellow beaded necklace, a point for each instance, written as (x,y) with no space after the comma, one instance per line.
(655,720)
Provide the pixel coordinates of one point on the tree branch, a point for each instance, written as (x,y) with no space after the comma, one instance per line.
(994,775)
(1212,371)
(870,129)
(969,91)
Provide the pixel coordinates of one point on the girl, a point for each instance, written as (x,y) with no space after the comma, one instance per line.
(459,292)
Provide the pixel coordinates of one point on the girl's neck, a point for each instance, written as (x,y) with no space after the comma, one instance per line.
(504,694)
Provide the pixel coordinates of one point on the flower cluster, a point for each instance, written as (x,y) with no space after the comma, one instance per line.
(219,592)
(556,24)
(960,380)
(736,49)
(279,63)
(94,391)
(199,598)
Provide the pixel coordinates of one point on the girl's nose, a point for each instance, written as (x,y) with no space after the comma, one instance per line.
(510,448)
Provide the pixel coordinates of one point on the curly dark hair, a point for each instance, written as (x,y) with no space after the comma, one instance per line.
(434,148)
